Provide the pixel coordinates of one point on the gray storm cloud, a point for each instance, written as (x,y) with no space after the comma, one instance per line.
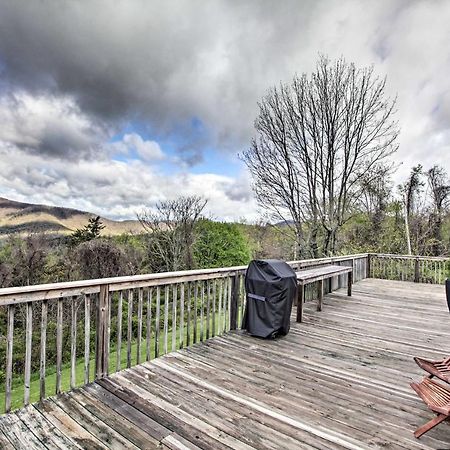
(161,63)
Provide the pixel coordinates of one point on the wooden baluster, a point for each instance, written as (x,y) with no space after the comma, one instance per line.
(182,315)
(103,332)
(195,310)
(43,349)
(219,318)
(87,337)
(108,331)
(214,293)
(139,330)
(188,324)
(208,308)
(149,323)
(174,316)
(435,264)
(225,303)
(229,294)
(59,336)
(202,305)
(157,318)
(130,327)
(166,317)
(416,270)
(73,343)
(119,332)
(9,357)
(28,341)
(234,302)
(242,295)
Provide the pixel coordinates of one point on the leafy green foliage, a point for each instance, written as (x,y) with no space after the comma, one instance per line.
(220,244)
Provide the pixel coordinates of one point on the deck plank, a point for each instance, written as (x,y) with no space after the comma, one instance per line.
(338,380)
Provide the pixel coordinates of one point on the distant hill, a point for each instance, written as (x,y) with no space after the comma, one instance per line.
(17,217)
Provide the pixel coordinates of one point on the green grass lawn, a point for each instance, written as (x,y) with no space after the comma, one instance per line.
(50,379)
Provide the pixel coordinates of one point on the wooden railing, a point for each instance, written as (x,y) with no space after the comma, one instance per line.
(419,269)
(78,331)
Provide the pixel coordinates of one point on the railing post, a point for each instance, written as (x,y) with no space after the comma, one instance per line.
(369,259)
(102,333)
(416,270)
(234,301)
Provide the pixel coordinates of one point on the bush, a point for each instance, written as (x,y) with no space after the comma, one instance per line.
(220,245)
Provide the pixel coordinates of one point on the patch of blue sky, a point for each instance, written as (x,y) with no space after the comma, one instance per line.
(183,144)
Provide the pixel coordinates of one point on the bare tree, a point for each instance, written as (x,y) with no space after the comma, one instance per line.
(99,258)
(426,198)
(440,188)
(317,138)
(374,199)
(29,255)
(411,191)
(440,195)
(170,226)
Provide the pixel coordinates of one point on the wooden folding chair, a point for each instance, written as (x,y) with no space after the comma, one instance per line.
(437,398)
(439,369)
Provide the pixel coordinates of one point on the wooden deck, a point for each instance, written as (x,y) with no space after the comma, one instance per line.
(339,380)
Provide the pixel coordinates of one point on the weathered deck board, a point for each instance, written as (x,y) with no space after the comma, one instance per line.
(339,380)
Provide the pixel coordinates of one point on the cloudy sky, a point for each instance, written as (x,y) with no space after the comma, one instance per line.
(110,106)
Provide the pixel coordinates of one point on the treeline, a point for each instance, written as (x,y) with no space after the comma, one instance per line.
(412,218)
(42,258)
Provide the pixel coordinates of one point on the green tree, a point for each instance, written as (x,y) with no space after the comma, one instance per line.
(220,245)
(90,231)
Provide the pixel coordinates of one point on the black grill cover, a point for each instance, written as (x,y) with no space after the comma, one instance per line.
(270,285)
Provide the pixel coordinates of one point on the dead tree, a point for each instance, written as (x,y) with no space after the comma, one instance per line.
(170,227)
(412,190)
(440,196)
(316,138)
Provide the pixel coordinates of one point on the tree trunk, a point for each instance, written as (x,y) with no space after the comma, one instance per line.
(408,236)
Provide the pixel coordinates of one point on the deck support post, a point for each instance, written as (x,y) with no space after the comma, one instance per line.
(319,295)
(416,270)
(234,302)
(102,333)
(349,283)
(300,300)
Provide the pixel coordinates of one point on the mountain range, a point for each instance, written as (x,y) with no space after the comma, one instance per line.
(18,217)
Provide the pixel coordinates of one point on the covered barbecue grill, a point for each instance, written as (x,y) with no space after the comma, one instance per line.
(271,286)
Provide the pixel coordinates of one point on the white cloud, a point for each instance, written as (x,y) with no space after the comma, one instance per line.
(113,189)
(147,150)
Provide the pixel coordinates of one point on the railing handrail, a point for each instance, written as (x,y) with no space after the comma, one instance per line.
(420,257)
(21,294)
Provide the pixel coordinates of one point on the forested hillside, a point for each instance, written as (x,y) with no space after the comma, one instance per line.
(25,218)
